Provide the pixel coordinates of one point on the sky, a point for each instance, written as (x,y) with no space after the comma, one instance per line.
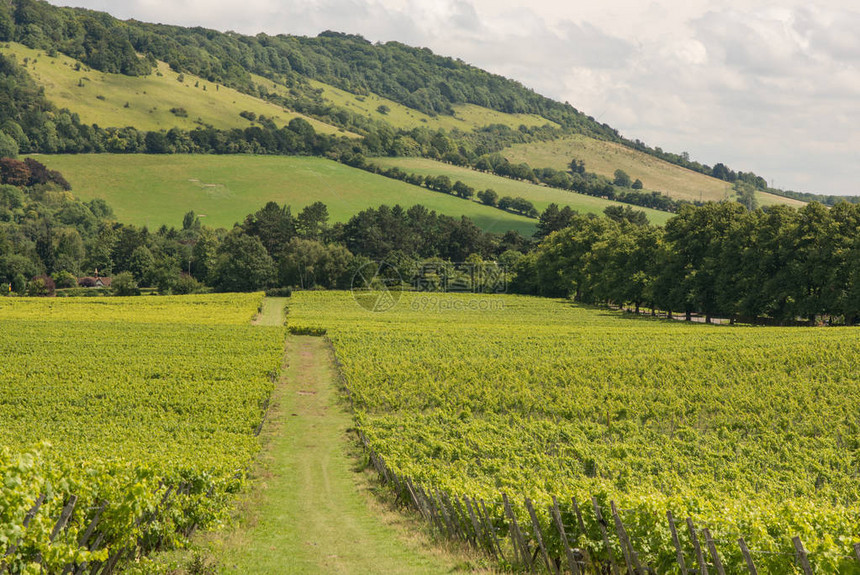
(771,87)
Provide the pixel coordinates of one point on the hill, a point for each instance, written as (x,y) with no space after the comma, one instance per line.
(603,157)
(400,100)
(226,188)
(540,196)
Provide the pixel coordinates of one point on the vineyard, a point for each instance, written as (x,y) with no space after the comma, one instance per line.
(751,433)
(124,423)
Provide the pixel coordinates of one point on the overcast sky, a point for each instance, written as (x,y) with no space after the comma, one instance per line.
(766,86)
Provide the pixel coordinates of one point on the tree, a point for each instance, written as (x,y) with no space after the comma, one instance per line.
(622,180)
(577,167)
(637,185)
(243,264)
(488,197)
(383,109)
(8,146)
(309,263)
(462,190)
(312,221)
(123,284)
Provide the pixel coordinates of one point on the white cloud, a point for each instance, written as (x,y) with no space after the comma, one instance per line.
(770,86)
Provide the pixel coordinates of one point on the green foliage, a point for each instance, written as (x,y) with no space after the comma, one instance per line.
(124,284)
(537,397)
(125,421)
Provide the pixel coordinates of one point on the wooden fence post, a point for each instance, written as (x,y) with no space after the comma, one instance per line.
(463,520)
(441,504)
(516,534)
(64,517)
(602,524)
(681,563)
(629,553)
(802,556)
(582,530)
(619,530)
(550,565)
(713,549)
(26,523)
(700,558)
(747,557)
(571,560)
(492,529)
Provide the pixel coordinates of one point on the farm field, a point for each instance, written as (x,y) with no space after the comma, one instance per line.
(159,190)
(540,196)
(657,175)
(751,432)
(101,98)
(143,408)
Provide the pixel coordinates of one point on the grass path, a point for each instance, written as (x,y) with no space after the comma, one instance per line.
(310,510)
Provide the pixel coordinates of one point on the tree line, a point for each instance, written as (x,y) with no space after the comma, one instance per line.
(718,260)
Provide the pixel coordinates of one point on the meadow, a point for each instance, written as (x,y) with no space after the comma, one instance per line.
(159,190)
(145,102)
(466,117)
(657,175)
(540,196)
(751,432)
(140,413)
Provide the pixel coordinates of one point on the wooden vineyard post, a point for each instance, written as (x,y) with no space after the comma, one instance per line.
(410,487)
(492,529)
(602,524)
(857,551)
(571,560)
(802,556)
(747,557)
(630,556)
(581,524)
(550,565)
(480,536)
(444,512)
(27,518)
(713,549)
(681,563)
(516,534)
(700,558)
(64,517)
(462,519)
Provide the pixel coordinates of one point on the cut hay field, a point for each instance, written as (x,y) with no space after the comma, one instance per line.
(159,190)
(540,196)
(100,98)
(657,175)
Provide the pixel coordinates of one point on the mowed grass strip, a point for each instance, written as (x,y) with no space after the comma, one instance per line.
(605,157)
(145,102)
(158,190)
(540,196)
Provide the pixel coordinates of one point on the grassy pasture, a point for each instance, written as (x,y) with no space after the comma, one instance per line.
(467,117)
(100,98)
(540,196)
(155,190)
(605,157)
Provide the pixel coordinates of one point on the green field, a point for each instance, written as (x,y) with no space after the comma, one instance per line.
(159,190)
(129,403)
(657,175)
(540,196)
(751,432)
(100,98)
(466,117)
